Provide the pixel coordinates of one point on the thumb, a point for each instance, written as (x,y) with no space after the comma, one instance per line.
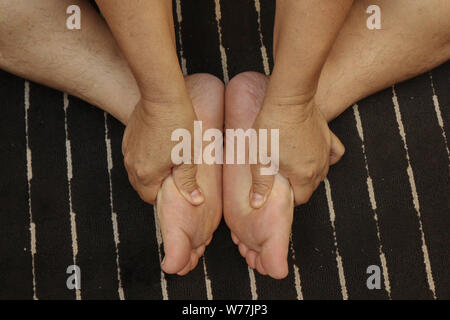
(261,187)
(337,149)
(186,182)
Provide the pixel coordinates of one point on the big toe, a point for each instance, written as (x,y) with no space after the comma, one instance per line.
(273,257)
(177,251)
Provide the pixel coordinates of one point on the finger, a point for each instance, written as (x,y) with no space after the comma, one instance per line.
(132,180)
(302,193)
(337,149)
(186,182)
(124,142)
(261,187)
(147,193)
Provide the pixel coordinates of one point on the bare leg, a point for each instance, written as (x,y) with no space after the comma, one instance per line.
(415,38)
(36,44)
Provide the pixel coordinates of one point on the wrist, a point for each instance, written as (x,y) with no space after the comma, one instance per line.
(163,90)
(167,107)
(164,93)
(291,87)
(287,110)
(282,94)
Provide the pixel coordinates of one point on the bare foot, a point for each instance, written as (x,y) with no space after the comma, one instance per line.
(186,229)
(262,235)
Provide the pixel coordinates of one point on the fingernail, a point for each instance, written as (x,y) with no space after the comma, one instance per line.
(257,200)
(197,197)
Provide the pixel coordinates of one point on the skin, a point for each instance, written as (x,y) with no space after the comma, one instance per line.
(89,64)
(188,229)
(86,63)
(262,235)
(305,31)
(145,33)
(99,74)
(415,38)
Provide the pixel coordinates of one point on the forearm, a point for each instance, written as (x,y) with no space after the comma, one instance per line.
(305,31)
(145,33)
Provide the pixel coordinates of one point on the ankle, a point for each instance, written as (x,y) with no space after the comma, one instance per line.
(117,94)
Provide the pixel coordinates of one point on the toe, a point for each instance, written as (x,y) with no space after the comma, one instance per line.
(243,249)
(259,266)
(194,260)
(186,269)
(274,257)
(251,258)
(200,250)
(177,251)
(234,238)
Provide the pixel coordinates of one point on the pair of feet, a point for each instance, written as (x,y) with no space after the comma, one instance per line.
(262,235)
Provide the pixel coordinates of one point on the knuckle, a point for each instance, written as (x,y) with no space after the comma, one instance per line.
(188,184)
(185,177)
(187,169)
(143,173)
(127,161)
(261,186)
(307,174)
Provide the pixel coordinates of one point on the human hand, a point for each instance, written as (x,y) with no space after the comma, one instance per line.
(307,148)
(147,147)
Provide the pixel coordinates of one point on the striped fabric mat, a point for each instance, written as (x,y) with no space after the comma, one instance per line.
(65,198)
